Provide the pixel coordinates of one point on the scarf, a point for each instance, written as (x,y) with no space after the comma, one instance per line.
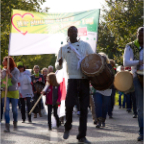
(37,75)
(77,54)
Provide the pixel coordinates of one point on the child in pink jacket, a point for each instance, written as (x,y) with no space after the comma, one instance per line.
(53,98)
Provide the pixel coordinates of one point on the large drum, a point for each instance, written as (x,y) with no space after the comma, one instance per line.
(123,81)
(39,87)
(98,72)
(140,74)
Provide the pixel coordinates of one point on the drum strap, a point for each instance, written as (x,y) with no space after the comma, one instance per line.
(77,54)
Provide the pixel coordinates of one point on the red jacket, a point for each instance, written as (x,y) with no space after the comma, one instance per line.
(53,95)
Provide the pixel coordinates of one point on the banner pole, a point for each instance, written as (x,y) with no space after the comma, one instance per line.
(6,87)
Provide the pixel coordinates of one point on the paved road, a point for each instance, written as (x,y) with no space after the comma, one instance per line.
(122,129)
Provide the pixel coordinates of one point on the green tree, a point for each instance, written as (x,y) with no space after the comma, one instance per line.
(6,8)
(120,22)
(41,60)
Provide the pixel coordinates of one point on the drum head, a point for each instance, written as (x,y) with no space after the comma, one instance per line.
(92,64)
(123,81)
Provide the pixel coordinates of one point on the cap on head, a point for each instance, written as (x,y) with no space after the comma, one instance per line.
(20,64)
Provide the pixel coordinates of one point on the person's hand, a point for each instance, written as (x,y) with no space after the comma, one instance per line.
(8,72)
(58,103)
(141,62)
(60,61)
(34,81)
(40,80)
(42,92)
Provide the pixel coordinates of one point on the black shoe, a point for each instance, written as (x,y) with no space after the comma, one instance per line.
(84,140)
(140,138)
(95,122)
(119,107)
(50,128)
(103,124)
(134,116)
(129,111)
(58,124)
(66,134)
(30,121)
(98,125)
(110,117)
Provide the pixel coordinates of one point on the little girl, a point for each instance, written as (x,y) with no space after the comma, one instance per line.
(53,97)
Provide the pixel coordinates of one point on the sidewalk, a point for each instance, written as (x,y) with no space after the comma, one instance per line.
(122,129)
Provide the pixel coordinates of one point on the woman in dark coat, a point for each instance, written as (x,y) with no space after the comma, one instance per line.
(38,83)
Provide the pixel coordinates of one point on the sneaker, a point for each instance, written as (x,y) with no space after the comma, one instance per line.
(23,121)
(84,140)
(140,138)
(66,134)
(134,116)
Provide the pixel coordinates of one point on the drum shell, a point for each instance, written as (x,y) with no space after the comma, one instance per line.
(39,87)
(104,80)
(94,66)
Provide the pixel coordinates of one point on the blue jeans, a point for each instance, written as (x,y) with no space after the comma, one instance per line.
(101,105)
(139,100)
(124,100)
(14,109)
(128,101)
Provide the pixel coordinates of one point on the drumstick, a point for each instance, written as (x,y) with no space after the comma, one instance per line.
(35,104)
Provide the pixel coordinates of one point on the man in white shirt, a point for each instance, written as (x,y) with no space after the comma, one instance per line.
(133,56)
(78,84)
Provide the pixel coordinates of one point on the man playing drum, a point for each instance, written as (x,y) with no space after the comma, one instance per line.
(133,56)
(78,84)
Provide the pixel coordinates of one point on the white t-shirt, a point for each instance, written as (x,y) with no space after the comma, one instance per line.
(128,59)
(106,92)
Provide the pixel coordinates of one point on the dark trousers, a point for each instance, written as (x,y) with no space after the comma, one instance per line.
(77,104)
(77,87)
(39,105)
(112,102)
(1,109)
(133,98)
(50,107)
(22,100)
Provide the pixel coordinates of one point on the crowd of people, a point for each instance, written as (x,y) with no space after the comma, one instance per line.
(27,88)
